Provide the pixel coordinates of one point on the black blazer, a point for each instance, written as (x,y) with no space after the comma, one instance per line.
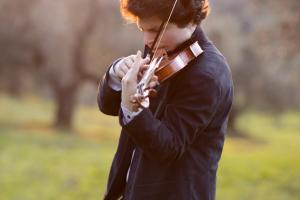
(178,145)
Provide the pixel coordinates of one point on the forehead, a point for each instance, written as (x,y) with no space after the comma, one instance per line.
(149,23)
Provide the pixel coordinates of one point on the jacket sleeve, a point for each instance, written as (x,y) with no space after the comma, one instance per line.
(185,116)
(108,99)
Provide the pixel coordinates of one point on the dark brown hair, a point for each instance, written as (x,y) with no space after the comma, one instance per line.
(186,11)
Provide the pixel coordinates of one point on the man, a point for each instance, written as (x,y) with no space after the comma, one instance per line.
(171,149)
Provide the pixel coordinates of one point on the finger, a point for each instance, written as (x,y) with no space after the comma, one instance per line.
(154,81)
(154,78)
(144,67)
(132,58)
(128,63)
(143,70)
(133,99)
(121,74)
(153,84)
(123,70)
(144,61)
(138,97)
(140,76)
(137,63)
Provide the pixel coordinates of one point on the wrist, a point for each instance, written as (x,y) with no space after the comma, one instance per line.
(131,107)
(129,115)
(128,106)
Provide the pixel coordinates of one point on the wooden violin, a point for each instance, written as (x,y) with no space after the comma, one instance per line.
(165,67)
(170,66)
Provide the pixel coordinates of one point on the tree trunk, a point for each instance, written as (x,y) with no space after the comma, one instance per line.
(232,123)
(65,102)
(66,97)
(14,81)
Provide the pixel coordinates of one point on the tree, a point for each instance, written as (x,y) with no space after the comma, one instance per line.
(68,32)
(260,39)
(17,48)
(64,43)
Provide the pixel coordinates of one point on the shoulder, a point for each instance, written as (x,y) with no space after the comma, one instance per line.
(210,66)
(211,62)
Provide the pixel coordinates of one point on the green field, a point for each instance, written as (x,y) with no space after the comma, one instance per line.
(38,162)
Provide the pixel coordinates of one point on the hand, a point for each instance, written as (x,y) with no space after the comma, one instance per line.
(130,81)
(124,65)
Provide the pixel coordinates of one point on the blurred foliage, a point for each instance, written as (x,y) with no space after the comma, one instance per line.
(37,162)
(54,47)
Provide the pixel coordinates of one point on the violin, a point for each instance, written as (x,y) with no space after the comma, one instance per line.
(170,66)
(165,67)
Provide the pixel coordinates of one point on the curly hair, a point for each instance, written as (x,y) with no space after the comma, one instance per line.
(185,12)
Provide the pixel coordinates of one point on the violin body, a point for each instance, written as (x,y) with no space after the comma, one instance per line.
(164,68)
(170,66)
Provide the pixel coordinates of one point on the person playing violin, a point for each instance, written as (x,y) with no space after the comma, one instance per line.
(171,148)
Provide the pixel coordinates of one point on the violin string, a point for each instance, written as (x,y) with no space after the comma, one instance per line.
(164,29)
(157,36)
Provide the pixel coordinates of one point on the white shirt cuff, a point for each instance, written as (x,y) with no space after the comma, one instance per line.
(129,115)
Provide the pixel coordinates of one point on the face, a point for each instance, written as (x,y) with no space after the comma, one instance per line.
(172,37)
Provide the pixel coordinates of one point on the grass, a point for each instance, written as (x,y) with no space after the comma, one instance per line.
(266,166)
(39,162)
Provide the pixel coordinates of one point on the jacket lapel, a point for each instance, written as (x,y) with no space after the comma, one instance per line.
(120,165)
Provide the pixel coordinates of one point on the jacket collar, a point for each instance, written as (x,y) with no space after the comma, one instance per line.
(198,35)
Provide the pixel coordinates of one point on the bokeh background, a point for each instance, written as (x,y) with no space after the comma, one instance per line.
(54,142)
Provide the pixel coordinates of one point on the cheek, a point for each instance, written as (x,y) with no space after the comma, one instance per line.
(170,39)
(148,37)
